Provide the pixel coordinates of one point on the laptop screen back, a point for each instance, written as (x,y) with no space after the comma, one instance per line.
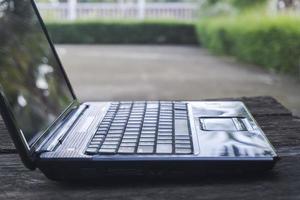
(31,80)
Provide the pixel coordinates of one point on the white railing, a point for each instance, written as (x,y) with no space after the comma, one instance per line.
(140,10)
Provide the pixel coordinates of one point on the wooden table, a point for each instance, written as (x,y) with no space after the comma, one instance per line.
(283,130)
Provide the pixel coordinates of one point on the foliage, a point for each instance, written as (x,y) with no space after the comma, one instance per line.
(123,32)
(212,8)
(269,41)
(246,4)
(115,1)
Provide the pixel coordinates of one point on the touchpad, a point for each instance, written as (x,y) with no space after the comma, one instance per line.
(218,124)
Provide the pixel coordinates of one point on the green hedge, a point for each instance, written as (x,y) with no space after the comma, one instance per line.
(272,42)
(144,32)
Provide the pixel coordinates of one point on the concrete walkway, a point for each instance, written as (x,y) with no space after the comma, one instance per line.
(130,72)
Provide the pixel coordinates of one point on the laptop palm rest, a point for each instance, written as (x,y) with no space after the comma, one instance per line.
(227,130)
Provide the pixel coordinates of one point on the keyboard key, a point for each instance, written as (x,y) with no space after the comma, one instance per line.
(131,122)
(152,105)
(96,139)
(95,142)
(164,141)
(165,130)
(149,129)
(164,137)
(124,149)
(165,134)
(112,139)
(182,137)
(150,121)
(145,149)
(115,131)
(148,132)
(120,121)
(103,129)
(118,124)
(162,127)
(183,141)
(184,146)
(131,140)
(148,136)
(94,146)
(181,127)
(149,125)
(125,144)
(183,151)
(91,151)
(165,123)
(101,132)
(107,151)
(131,133)
(147,139)
(110,143)
(147,143)
(109,146)
(130,136)
(164,148)
(114,135)
(133,126)
(104,126)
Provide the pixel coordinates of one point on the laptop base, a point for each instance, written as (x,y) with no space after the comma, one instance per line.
(84,170)
(225,137)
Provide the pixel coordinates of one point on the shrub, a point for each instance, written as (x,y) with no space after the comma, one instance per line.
(269,41)
(112,32)
(242,4)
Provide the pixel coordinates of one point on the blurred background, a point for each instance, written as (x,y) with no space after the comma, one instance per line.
(178,49)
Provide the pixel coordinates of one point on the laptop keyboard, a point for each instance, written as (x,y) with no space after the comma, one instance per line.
(143,128)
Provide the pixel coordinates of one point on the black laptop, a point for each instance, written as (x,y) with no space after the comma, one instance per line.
(67,139)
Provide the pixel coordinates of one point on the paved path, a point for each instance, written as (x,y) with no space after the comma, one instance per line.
(114,72)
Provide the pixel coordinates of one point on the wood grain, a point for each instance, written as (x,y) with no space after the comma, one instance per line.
(283,130)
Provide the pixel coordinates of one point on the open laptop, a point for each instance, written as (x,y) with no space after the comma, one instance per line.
(67,139)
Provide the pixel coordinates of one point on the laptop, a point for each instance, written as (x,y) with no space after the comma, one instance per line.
(67,139)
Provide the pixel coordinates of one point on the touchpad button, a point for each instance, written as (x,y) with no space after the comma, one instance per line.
(218,124)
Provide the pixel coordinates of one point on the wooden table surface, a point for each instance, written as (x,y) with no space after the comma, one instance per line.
(283,130)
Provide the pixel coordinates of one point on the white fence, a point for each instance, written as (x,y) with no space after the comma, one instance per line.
(140,10)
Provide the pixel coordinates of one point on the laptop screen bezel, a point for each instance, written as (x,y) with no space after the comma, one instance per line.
(27,149)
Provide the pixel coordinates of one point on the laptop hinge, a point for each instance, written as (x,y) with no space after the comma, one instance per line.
(60,132)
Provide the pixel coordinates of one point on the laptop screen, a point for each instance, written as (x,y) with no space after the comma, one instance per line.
(31,79)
